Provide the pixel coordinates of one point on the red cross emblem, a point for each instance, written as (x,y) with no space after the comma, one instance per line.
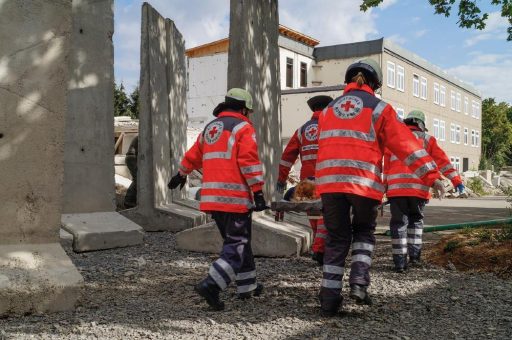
(348,105)
(213,132)
(311,132)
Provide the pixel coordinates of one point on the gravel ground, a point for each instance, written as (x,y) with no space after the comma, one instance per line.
(146,292)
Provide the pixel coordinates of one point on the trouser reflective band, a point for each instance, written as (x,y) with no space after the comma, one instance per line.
(332,277)
(246,282)
(222,273)
(399,245)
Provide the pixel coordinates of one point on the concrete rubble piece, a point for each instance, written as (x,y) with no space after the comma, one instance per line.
(103,230)
(269,238)
(37,278)
(36,275)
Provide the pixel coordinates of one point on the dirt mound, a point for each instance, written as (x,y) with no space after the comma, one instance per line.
(481,250)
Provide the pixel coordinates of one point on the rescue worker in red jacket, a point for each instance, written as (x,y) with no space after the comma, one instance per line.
(304,144)
(227,152)
(408,195)
(353,131)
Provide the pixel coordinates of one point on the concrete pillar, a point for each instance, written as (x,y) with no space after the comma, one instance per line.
(35,273)
(89,186)
(162,126)
(254,65)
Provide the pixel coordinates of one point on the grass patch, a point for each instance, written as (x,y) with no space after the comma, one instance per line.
(476,185)
(451,246)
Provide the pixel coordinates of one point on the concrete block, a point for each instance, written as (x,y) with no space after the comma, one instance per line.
(170,217)
(269,238)
(37,278)
(104,230)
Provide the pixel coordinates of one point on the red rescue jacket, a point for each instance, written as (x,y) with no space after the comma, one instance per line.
(353,131)
(304,143)
(228,153)
(401,181)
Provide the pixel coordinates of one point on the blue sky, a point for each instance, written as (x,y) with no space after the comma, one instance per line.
(481,58)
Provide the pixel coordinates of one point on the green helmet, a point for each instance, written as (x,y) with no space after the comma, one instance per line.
(416,117)
(371,70)
(416,114)
(241,96)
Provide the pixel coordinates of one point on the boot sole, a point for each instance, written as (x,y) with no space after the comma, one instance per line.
(216,306)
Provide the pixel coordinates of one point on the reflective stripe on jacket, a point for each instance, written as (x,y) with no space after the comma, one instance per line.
(304,143)
(401,181)
(228,153)
(353,131)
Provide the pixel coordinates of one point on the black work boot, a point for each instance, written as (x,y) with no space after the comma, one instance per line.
(319,258)
(359,293)
(210,293)
(256,292)
(400,262)
(415,260)
(329,306)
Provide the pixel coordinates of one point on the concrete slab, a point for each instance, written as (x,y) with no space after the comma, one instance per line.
(269,238)
(103,230)
(37,278)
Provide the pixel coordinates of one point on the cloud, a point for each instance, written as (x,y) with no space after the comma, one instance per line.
(495,29)
(397,39)
(490,73)
(420,33)
(387,3)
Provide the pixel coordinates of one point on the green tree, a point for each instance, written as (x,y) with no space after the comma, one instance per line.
(496,133)
(134,103)
(470,14)
(121,101)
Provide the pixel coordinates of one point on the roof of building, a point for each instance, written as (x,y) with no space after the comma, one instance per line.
(222,45)
(365,48)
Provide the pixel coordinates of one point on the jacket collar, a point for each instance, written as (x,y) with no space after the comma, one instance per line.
(355,87)
(235,115)
(316,114)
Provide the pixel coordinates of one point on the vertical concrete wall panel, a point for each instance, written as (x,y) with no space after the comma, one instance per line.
(89,152)
(254,65)
(34,44)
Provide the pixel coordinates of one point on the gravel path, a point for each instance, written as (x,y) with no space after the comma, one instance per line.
(146,292)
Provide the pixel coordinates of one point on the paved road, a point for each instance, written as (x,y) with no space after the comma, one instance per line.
(450,211)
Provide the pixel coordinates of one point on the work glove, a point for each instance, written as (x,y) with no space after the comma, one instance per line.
(280,186)
(177,179)
(259,202)
(439,188)
(461,188)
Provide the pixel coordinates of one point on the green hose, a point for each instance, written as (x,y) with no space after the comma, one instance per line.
(475,224)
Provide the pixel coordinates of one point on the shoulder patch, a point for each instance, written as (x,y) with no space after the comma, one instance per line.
(311,132)
(213,132)
(348,107)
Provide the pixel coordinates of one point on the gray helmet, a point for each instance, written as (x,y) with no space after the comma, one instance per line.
(319,102)
(369,68)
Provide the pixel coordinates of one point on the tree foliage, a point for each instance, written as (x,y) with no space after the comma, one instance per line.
(469,13)
(125,105)
(496,133)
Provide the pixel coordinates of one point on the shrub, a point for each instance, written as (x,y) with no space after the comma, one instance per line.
(451,246)
(476,185)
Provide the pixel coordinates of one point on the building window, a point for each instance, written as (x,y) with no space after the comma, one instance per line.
(442,130)
(442,96)
(400,78)
(457,164)
(473,138)
(475,109)
(400,113)
(452,100)
(477,138)
(466,136)
(452,133)
(415,85)
(436,93)
(477,113)
(303,74)
(289,72)
(466,106)
(436,128)
(391,74)
(457,134)
(458,103)
(423,88)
